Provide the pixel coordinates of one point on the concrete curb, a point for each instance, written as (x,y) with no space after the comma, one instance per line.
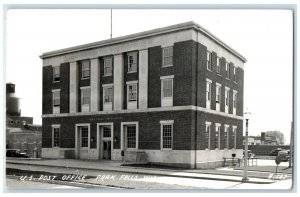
(126,170)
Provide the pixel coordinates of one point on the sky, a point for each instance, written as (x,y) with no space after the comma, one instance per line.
(263,37)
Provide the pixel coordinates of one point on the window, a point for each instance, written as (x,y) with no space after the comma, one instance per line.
(234,74)
(167,56)
(85,67)
(167,90)
(234,101)
(56,136)
(167,134)
(227,70)
(56,98)
(208,93)
(56,73)
(209,60)
(234,136)
(227,99)
(108,66)
(132,62)
(56,101)
(131,136)
(108,94)
(132,92)
(207,135)
(217,135)
(84,136)
(106,132)
(226,136)
(218,93)
(85,99)
(86,94)
(218,65)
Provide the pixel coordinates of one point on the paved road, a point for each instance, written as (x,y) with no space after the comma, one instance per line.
(143,181)
(18,184)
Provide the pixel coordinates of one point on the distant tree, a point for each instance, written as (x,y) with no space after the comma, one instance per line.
(278,134)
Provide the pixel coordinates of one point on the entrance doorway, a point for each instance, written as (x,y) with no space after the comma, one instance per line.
(105,136)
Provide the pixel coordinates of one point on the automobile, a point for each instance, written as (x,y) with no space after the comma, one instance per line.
(274,152)
(15,153)
(284,155)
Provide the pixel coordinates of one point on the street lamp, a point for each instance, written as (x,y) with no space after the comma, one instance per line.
(245,177)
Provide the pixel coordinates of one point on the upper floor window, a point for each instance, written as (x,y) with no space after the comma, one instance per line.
(132,62)
(85,99)
(108,91)
(209,66)
(56,98)
(208,93)
(85,69)
(108,66)
(234,101)
(56,73)
(227,99)
(227,70)
(167,56)
(234,74)
(218,65)
(167,90)
(132,92)
(108,94)
(218,93)
(56,101)
(167,134)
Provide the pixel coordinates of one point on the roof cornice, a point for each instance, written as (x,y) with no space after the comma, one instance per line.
(141,35)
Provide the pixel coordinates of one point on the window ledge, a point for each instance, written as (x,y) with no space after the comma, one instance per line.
(209,69)
(166,66)
(55,81)
(85,78)
(107,75)
(166,149)
(129,72)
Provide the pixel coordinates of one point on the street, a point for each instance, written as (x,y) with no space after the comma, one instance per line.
(55,177)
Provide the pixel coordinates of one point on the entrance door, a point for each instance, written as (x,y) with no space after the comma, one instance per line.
(105,142)
(106,150)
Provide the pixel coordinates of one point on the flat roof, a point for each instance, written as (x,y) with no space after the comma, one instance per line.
(144,34)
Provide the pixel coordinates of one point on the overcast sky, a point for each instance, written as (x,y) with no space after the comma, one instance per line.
(264,37)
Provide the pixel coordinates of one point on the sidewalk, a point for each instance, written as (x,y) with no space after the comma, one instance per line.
(115,166)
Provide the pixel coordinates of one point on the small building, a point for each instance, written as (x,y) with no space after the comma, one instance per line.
(21,133)
(171,96)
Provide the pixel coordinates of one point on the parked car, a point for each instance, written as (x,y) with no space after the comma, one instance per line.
(274,152)
(284,155)
(15,153)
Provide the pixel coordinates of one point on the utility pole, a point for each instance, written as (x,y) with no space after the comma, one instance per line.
(110,23)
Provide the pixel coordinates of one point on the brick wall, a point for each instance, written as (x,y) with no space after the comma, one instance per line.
(149,128)
(201,128)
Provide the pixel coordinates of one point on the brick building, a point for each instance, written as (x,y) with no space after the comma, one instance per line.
(172,96)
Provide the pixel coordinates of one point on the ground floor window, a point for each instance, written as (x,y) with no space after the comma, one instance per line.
(167,134)
(84,136)
(131,136)
(207,135)
(55,135)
